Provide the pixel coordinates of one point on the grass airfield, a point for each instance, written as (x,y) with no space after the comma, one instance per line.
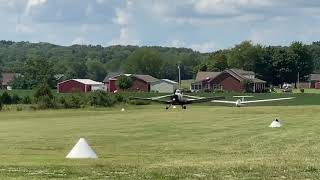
(149,142)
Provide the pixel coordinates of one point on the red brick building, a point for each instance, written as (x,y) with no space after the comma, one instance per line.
(139,82)
(314,79)
(228,80)
(6,78)
(79,85)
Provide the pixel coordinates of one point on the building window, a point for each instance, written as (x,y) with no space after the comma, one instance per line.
(196,86)
(217,86)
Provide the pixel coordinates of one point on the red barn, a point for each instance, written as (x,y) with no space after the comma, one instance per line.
(229,80)
(79,85)
(139,82)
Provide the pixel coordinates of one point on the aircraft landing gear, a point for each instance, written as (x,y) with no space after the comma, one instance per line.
(184,107)
(168,107)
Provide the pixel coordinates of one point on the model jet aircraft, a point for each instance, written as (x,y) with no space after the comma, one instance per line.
(242,101)
(178,98)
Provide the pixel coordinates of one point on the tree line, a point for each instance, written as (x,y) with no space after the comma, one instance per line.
(40,63)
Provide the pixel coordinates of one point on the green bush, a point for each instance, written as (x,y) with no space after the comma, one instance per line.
(301,90)
(119,98)
(74,101)
(6,98)
(62,102)
(124,82)
(16,99)
(44,98)
(26,100)
(43,90)
(100,98)
(19,108)
(1,105)
(139,102)
(46,102)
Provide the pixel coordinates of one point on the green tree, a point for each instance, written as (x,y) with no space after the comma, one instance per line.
(283,63)
(96,70)
(315,54)
(144,61)
(244,56)
(37,71)
(302,58)
(6,98)
(264,66)
(124,82)
(76,70)
(44,97)
(1,70)
(217,62)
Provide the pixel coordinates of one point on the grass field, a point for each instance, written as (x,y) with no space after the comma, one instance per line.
(148,142)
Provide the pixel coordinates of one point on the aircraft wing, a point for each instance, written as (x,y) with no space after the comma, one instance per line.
(266,100)
(155,99)
(160,97)
(227,102)
(193,97)
(202,99)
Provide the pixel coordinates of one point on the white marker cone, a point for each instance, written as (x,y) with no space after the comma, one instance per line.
(173,107)
(275,124)
(122,109)
(81,150)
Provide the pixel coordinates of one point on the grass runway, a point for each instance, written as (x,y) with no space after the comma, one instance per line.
(148,142)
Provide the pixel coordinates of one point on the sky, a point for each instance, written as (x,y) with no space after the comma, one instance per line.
(203,25)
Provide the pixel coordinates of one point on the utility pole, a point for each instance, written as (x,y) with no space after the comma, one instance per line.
(179,76)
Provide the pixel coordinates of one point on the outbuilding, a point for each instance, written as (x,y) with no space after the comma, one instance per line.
(140,82)
(79,85)
(314,79)
(6,79)
(164,86)
(228,80)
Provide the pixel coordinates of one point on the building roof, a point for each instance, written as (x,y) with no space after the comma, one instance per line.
(84,81)
(201,75)
(170,81)
(236,73)
(241,75)
(256,80)
(315,77)
(146,78)
(111,75)
(242,72)
(7,78)
(165,81)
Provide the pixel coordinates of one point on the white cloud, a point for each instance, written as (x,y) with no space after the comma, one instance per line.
(80,41)
(201,47)
(228,7)
(176,43)
(89,10)
(122,17)
(101,1)
(24,29)
(33,3)
(124,38)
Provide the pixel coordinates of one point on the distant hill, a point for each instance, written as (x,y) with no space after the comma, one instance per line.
(14,54)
